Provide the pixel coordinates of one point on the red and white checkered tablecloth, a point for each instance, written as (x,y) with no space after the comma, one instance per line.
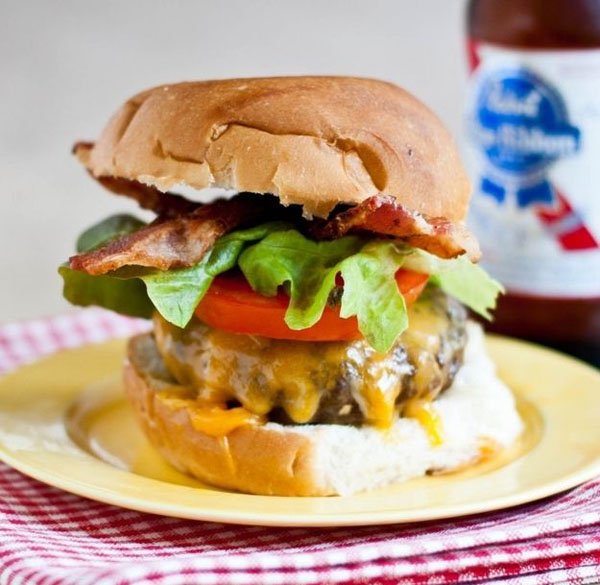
(49,537)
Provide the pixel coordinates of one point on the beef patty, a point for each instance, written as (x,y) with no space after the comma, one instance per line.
(327,382)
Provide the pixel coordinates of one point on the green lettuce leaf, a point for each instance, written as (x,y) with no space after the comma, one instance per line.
(176,293)
(460,278)
(471,285)
(106,231)
(127,297)
(307,268)
(371,293)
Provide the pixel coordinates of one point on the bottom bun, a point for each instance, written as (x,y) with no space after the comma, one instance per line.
(477,413)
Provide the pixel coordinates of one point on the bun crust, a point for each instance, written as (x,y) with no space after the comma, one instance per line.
(254,459)
(314,141)
(318,460)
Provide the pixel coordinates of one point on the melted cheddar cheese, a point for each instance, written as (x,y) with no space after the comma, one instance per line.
(424,411)
(259,375)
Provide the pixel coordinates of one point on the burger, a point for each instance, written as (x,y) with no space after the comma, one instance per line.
(310,317)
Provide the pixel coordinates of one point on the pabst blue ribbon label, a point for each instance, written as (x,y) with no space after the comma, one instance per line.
(522,126)
(533,127)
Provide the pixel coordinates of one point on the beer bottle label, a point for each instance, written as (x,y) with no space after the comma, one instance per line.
(533,134)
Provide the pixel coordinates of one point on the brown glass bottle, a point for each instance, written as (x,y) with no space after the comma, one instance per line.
(534,132)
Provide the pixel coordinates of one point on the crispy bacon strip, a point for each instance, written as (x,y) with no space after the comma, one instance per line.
(166,205)
(185,230)
(163,204)
(382,215)
(177,242)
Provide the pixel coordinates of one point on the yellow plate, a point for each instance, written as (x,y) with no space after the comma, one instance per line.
(63,421)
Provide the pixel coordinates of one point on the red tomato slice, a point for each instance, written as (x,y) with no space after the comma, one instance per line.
(230,304)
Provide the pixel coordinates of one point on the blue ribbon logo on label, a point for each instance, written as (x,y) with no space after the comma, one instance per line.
(522,125)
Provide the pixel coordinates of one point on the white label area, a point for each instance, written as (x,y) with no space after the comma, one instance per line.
(533,135)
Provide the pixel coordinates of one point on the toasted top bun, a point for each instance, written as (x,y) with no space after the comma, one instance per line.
(314,141)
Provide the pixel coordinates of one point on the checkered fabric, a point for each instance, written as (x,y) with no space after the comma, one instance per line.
(51,537)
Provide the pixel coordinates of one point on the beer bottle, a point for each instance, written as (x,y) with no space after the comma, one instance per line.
(533,134)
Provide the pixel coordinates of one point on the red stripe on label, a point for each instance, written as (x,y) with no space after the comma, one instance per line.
(579,239)
(575,236)
(473,54)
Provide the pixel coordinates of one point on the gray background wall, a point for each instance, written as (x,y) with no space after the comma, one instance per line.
(66,65)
